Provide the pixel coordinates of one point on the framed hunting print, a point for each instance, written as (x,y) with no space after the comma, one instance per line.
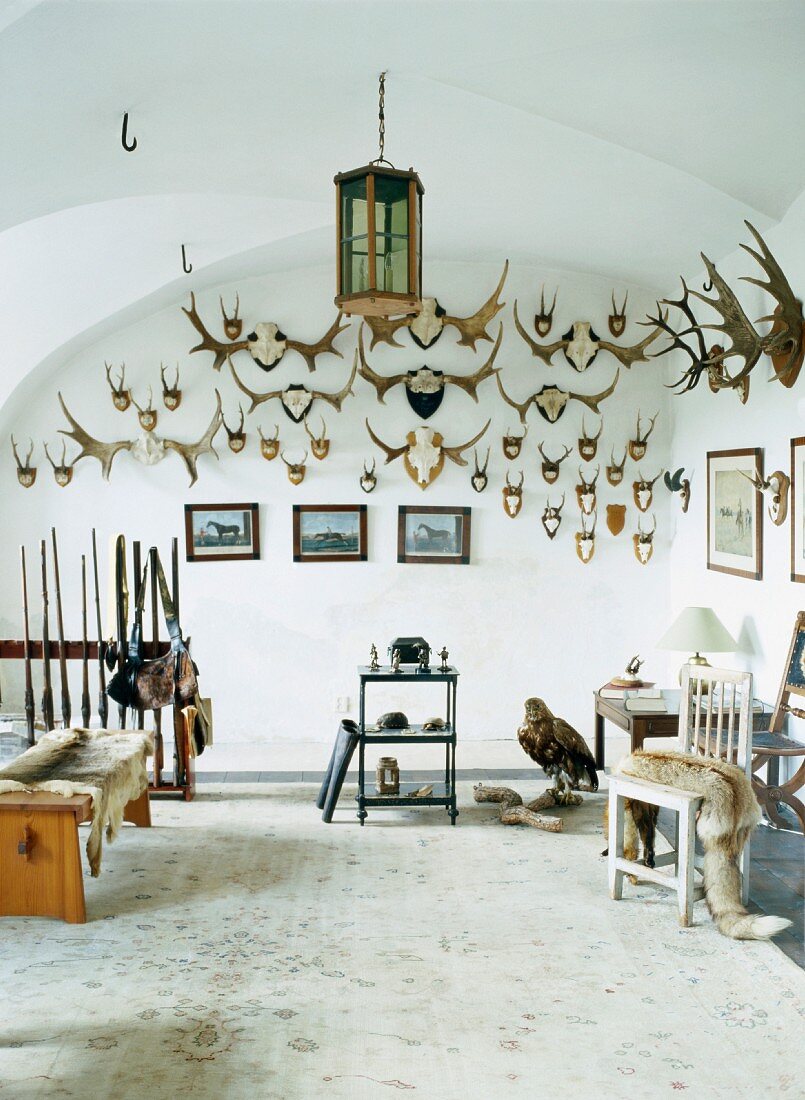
(735,512)
(329,532)
(798,509)
(433,536)
(222,532)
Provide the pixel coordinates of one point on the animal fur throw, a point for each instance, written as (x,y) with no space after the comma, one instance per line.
(728,815)
(107,764)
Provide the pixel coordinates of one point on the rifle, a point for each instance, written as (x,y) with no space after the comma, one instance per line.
(66,711)
(103,702)
(47,690)
(29,687)
(159,748)
(86,709)
(138,580)
(121,605)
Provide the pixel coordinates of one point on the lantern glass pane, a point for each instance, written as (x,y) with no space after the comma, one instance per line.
(353,208)
(354,266)
(391,263)
(354,236)
(391,205)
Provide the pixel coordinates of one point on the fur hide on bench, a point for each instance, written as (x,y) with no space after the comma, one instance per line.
(109,765)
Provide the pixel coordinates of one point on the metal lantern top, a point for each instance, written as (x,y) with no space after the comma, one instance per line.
(379,224)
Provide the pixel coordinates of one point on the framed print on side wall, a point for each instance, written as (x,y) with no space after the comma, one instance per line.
(329,532)
(222,532)
(433,536)
(735,513)
(798,509)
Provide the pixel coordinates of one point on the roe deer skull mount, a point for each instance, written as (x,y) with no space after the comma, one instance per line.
(121,397)
(319,445)
(368,479)
(62,473)
(551,467)
(148,415)
(513,444)
(296,470)
(617,318)
(644,541)
(171,395)
(513,496)
(586,497)
(588,444)
(270,448)
(585,540)
(639,445)
(236,437)
(26,473)
(478,479)
(552,517)
(615,469)
(643,491)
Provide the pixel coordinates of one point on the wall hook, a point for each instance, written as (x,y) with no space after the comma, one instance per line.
(186,267)
(124,137)
(707,287)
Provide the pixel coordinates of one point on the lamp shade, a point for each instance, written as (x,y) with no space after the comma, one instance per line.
(696,629)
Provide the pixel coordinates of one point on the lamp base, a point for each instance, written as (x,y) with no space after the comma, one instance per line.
(697,659)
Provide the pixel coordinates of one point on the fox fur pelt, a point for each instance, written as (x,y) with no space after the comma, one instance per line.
(107,764)
(729,813)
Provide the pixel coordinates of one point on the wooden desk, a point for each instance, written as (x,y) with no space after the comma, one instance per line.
(642,724)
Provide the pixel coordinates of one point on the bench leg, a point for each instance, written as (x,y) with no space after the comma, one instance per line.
(40,866)
(138,811)
(686,864)
(616,825)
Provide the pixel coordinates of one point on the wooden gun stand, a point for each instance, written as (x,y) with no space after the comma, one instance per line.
(184,779)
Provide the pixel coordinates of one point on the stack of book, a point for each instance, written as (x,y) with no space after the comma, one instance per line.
(643,699)
(617,688)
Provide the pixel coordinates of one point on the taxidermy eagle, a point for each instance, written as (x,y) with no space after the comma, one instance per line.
(559,750)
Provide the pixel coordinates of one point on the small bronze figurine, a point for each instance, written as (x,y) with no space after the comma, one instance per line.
(395,661)
(374,665)
(423,653)
(444,667)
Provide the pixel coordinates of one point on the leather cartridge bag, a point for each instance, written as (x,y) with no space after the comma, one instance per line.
(149,685)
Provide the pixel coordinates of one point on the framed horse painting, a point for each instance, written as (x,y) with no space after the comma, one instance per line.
(329,532)
(735,512)
(222,532)
(433,536)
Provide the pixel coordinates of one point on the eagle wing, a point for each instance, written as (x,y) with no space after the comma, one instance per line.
(576,751)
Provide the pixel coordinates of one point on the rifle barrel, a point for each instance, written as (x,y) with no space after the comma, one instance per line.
(30,710)
(66,708)
(86,709)
(47,690)
(103,701)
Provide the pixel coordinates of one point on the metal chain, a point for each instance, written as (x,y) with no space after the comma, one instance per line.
(382,116)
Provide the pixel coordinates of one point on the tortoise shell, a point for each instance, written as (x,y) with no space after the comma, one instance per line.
(393,720)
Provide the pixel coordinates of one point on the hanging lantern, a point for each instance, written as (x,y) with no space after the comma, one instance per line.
(379,220)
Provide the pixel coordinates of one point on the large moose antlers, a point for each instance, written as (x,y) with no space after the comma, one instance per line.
(427,326)
(425,452)
(580,345)
(783,343)
(266,344)
(551,401)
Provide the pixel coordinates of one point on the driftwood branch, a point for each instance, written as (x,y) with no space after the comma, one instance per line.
(513,812)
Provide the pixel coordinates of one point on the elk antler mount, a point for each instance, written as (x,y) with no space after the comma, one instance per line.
(297,399)
(784,343)
(581,345)
(148,448)
(551,401)
(266,343)
(424,388)
(427,326)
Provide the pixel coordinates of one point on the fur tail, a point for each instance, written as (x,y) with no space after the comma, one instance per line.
(722,886)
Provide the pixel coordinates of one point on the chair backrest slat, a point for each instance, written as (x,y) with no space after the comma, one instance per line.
(706,693)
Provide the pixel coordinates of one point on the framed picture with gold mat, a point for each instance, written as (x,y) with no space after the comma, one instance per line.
(735,512)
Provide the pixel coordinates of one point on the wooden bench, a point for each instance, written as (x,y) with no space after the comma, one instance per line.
(40,858)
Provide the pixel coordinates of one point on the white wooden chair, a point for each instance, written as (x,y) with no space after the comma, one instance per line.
(714,720)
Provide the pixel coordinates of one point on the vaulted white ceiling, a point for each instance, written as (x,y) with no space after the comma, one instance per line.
(612,137)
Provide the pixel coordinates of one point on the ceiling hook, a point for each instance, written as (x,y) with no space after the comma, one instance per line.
(124,137)
(186,267)
(707,287)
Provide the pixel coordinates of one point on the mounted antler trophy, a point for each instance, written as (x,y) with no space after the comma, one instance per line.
(427,326)
(62,473)
(266,344)
(121,397)
(368,479)
(644,542)
(424,388)
(296,470)
(171,395)
(585,540)
(513,496)
(783,343)
(233,326)
(424,453)
(552,517)
(270,448)
(580,345)
(643,491)
(148,415)
(543,320)
(148,449)
(617,318)
(236,437)
(26,473)
(775,488)
(588,444)
(479,480)
(551,402)
(513,444)
(615,469)
(585,492)
(680,485)
(296,399)
(639,445)
(550,467)
(319,445)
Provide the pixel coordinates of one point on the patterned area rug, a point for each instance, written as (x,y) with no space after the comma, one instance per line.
(241,948)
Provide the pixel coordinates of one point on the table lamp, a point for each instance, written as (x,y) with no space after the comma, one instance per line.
(698,628)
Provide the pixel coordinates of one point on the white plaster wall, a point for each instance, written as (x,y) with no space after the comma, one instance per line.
(760,614)
(278,642)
